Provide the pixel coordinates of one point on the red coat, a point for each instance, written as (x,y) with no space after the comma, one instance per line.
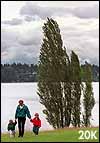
(36,122)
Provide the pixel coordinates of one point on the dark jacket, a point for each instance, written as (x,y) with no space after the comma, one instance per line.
(11,126)
(22,112)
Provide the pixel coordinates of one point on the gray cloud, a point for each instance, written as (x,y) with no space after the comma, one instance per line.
(29,18)
(32,37)
(25,47)
(31,12)
(8,38)
(14,21)
(85,44)
(79,33)
(14,51)
(87,12)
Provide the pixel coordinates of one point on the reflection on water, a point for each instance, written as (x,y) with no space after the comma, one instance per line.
(12,92)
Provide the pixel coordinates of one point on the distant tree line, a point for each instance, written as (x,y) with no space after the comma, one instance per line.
(95,72)
(18,72)
(29,73)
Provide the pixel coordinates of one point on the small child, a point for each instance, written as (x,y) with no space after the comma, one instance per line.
(36,123)
(11,128)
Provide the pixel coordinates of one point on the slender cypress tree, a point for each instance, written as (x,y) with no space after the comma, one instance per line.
(67,92)
(88,98)
(51,74)
(76,89)
(59,81)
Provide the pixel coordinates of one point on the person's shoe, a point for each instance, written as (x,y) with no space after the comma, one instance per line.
(19,136)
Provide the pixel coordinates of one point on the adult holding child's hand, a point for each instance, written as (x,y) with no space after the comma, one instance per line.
(21,112)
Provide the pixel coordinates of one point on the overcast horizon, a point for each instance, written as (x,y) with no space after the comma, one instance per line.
(21,29)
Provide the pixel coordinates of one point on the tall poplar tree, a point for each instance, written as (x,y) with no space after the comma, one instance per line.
(88,97)
(51,74)
(67,92)
(76,89)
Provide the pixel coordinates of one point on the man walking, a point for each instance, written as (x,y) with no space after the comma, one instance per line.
(21,112)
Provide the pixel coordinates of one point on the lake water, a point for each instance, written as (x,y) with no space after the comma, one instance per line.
(12,92)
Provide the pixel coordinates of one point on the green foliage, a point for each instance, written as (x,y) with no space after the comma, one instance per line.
(53,74)
(94,72)
(60,81)
(76,89)
(88,100)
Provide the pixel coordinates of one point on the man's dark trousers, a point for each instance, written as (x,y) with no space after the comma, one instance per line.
(21,123)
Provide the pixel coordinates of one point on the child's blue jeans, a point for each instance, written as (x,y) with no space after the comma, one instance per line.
(36,129)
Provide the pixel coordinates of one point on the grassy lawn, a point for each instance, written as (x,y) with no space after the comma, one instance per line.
(61,135)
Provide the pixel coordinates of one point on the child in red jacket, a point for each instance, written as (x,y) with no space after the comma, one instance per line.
(36,123)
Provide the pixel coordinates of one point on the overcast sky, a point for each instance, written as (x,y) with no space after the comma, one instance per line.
(22,21)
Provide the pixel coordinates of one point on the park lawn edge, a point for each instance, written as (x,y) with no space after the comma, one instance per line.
(52,135)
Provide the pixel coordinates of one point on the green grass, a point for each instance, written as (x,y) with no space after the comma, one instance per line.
(61,135)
